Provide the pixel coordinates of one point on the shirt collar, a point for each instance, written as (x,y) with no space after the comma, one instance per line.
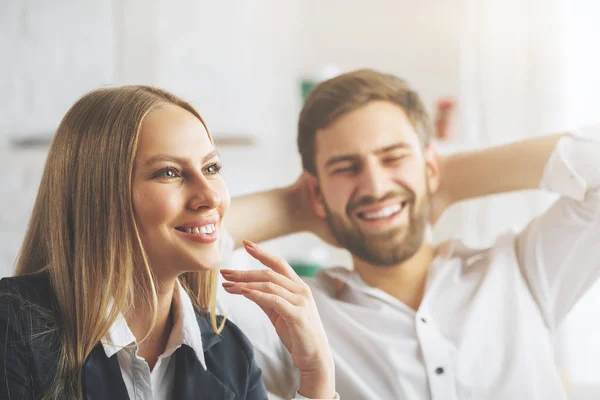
(185,329)
(336,279)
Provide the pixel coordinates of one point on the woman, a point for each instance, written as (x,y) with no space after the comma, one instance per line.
(114,293)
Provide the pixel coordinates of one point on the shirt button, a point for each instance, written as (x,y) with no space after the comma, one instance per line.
(423,320)
(439,370)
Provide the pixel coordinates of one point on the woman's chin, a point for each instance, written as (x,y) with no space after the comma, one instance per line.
(207,262)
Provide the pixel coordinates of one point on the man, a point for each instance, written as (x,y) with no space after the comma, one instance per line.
(414,321)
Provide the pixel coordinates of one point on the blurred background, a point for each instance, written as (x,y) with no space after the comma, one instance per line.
(510,69)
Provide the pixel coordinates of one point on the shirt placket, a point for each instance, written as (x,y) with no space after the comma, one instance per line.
(436,356)
(142,386)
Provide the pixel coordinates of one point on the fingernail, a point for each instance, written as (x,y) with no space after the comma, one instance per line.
(228,284)
(226,272)
(245,290)
(249,244)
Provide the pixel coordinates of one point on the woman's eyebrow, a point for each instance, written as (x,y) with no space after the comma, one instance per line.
(179,160)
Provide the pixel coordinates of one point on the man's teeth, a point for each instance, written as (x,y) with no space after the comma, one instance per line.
(383,213)
(205,229)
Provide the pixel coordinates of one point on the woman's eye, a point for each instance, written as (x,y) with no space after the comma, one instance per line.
(214,168)
(168,173)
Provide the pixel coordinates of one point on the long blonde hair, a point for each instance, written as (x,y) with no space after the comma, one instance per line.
(82,230)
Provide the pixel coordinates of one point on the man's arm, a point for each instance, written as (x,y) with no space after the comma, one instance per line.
(500,169)
(261,216)
(516,166)
(558,251)
(278,212)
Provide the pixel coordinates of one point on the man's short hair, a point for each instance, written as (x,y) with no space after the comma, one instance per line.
(347,92)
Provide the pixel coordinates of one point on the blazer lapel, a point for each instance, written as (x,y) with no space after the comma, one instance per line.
(102,377)
(191,378)
(193,381)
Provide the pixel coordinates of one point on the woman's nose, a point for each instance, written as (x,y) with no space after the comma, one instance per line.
(204,196)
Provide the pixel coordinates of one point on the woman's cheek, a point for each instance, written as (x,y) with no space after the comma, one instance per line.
(223,191)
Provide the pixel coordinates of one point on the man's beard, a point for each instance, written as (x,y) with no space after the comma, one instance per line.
(387,248)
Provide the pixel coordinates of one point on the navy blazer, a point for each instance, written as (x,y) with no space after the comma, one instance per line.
(29,354)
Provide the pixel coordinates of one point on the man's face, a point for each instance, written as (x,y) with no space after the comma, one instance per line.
(374,182)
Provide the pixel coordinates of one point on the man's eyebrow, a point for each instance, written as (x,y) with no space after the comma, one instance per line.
(179,160)
(339,159)
(395,146)
(353,157)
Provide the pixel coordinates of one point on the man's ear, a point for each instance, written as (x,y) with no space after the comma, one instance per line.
(314,194)
(432,164)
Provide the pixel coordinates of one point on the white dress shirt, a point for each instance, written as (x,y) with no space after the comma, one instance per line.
(485,327)
(141,383)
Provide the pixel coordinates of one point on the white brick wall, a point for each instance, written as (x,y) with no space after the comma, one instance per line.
(52,52)
(20,175)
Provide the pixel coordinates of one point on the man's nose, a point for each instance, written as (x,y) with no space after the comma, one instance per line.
(374,180)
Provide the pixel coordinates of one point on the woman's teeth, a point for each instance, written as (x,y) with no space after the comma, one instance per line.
(205,229)
(383,213)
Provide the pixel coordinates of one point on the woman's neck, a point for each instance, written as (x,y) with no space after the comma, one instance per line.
(155,344)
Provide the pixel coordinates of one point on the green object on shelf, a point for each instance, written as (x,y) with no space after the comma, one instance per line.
(307,85)
(304,269)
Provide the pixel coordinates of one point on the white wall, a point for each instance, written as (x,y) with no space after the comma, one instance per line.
(52,52)
(240,63)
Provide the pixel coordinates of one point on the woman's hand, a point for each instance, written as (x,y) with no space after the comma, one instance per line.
(288,302)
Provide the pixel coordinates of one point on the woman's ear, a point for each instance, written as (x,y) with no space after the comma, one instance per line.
(432,164)
(314,194)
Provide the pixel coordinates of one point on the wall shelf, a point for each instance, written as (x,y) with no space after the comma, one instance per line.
(221,140)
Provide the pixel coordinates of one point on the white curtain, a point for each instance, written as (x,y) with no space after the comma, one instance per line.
(531,67)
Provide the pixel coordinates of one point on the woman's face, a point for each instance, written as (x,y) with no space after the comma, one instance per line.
(179,197)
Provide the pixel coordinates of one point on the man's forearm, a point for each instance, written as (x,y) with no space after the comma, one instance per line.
(501,169)
(262,216)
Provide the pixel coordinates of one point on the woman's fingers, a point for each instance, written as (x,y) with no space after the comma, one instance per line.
(277,289)
(287,301)
(268,301)
(275,263)
(261,275)
(264,287)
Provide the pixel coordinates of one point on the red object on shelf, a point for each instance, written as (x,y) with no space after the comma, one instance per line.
(445,104)
(443,117)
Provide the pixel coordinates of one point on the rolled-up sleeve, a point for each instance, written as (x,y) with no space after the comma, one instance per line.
(559,251)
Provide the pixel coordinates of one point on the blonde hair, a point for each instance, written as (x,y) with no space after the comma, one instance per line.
(82,230)
(335,97)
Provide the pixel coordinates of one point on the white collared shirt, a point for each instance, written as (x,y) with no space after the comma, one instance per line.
(485,327)
(141,383)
